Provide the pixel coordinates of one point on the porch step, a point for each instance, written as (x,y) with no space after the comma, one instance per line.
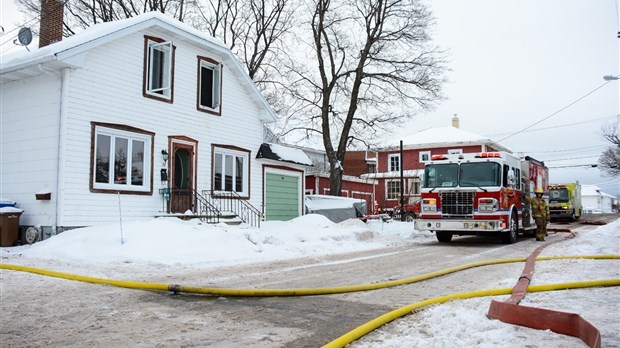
(226,217)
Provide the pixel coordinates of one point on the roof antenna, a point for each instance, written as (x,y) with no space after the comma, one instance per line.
(24,37)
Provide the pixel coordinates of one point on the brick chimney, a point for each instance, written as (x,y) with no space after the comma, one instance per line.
(455,121)
(50,30)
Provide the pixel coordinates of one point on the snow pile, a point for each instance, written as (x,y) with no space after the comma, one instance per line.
(174,241)
(170,241)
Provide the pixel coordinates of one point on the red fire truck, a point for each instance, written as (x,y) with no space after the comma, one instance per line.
(480,194)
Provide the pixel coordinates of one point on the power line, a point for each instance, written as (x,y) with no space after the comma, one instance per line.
(557,112)
(576,149)
(575,166)
(566,159)
(33,21)
(555,126)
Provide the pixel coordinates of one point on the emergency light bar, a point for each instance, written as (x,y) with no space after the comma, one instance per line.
(438,157)
(488,155)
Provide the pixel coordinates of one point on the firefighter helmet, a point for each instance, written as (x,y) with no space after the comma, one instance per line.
(538,190)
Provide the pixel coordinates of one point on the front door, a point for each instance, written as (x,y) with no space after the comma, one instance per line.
(182,177)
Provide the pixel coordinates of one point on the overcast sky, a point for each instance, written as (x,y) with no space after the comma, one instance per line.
(515,63)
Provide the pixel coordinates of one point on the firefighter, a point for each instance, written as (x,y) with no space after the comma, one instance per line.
(540,213)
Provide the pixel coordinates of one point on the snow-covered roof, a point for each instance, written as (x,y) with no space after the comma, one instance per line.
(442,137)
(361,179)
(283,153)
(593,190)
(67,52)
(412,173)
(322,202)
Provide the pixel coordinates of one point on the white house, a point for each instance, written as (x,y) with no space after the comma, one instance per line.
(145,112)
(595,201)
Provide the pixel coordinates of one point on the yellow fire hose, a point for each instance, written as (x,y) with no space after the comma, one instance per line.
(361,330)
(232,292)
(402,311)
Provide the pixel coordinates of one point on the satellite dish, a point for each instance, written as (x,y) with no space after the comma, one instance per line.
(24,36)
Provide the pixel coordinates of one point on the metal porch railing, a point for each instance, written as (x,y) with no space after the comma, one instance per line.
(232,202)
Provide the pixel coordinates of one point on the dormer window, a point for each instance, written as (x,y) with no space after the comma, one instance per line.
(159,69)
(209,86)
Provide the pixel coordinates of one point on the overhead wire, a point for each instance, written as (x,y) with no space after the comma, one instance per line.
(32,21)
(572,158)
(556,126)
(556,112)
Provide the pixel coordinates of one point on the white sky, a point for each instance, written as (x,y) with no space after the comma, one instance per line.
(513,64)
(148,248)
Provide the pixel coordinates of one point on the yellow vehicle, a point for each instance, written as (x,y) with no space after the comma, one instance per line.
(565,201)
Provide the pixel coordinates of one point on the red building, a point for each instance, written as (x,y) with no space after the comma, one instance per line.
(418,148)
(352,187)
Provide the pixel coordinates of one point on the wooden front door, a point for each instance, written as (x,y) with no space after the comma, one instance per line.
(182,177)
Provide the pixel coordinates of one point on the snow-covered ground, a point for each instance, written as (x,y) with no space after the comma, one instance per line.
(171,241)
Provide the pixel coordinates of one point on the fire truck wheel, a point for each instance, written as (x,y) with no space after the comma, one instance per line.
(408,217)
(510,237)
(444,237)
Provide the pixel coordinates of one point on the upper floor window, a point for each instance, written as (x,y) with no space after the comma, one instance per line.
(209,85)
(231,170)
(121,159)
(158,69)
(393,163)
(425,156)
(455,151)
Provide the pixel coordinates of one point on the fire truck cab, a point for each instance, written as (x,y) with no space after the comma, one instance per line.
(479,194)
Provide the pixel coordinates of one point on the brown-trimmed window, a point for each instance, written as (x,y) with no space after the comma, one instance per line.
(209,86)
(158,68)
(231,170)
(121,159)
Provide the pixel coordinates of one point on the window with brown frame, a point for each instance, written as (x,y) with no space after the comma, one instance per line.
(158,69)
(209,86)
(121,159)
(231,170)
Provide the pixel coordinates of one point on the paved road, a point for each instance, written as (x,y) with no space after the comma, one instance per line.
(38,310)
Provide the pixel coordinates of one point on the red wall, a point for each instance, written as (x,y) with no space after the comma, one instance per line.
(351,189)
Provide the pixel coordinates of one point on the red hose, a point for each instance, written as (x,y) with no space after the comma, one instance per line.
(542,319)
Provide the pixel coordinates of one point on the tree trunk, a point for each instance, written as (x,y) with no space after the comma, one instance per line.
(335,177)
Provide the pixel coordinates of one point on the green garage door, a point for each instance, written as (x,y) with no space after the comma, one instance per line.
(281,197)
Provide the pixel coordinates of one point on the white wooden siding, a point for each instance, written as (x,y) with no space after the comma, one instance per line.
(29,145)
(109,89)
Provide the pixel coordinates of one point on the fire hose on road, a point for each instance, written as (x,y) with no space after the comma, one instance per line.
(372,325)
(232,292)
(509,311)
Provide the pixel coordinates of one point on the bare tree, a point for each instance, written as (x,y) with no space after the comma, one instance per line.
(81,14)
(376,68)
(252,29)
(609,162)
